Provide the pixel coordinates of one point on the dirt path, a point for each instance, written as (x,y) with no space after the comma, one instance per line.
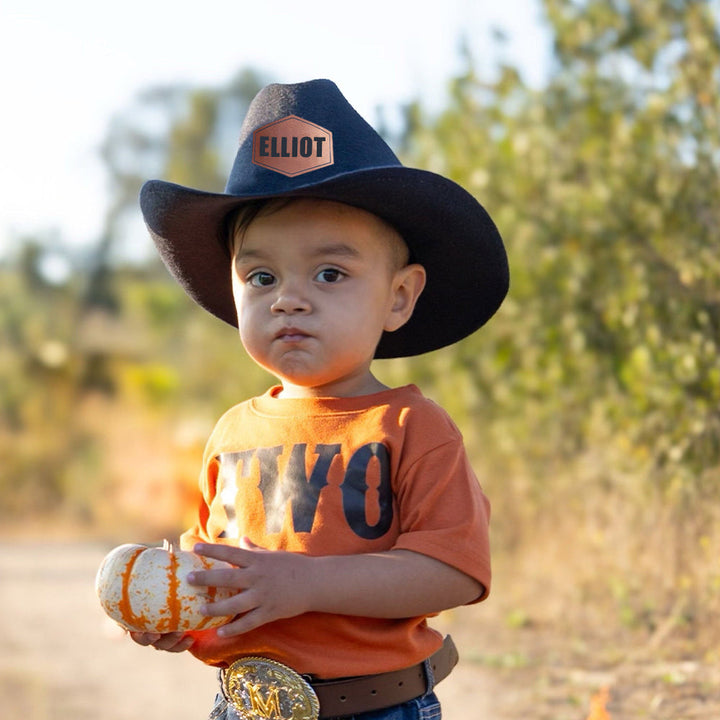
(60,659)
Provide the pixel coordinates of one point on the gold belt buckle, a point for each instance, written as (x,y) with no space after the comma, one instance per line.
(263,689)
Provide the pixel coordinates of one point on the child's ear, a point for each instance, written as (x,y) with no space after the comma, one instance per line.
(408,283)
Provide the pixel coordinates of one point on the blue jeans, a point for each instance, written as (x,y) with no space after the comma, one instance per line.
(426,707)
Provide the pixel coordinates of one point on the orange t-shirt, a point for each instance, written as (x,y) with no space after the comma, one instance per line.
(337,476)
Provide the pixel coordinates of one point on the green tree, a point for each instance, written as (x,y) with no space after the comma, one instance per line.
(592,401)
(604,184)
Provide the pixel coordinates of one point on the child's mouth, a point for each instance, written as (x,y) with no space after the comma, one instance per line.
(291,335)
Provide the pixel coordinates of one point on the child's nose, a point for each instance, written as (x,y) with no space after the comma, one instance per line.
(290,301)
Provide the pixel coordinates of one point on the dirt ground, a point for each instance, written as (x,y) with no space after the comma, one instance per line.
(61,659)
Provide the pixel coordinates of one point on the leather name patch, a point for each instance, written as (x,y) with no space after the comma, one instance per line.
(292,146)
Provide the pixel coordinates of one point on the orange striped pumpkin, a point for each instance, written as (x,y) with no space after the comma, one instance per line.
(145,589)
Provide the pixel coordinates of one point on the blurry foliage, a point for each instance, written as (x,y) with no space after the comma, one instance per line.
(594,396)
(105,363)
(604,185)
(590,404)
(182,134)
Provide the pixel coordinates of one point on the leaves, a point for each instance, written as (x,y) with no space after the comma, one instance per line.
(603,188)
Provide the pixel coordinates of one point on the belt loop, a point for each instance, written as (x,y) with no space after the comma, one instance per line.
(430,677)
(221,679)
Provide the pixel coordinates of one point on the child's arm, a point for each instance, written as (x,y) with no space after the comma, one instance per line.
(277,584)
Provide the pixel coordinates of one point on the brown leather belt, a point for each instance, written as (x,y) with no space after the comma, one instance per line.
(351,696)
(260,688)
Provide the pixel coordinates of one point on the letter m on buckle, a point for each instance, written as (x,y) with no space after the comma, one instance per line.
(270,708)
(292,146)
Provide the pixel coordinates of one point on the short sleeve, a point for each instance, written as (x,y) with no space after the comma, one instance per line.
(444,513)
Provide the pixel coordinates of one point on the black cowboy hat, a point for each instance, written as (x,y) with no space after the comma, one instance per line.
(306,140)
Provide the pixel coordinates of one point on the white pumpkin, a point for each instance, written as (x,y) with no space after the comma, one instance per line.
(145,589)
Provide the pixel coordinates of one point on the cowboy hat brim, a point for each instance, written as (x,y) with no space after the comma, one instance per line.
(445,228)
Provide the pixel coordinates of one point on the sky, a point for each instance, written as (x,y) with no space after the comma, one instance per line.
(68,67)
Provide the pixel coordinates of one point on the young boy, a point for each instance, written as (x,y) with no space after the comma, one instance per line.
(348,510)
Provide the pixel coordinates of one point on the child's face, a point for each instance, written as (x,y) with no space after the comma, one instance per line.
(316,283)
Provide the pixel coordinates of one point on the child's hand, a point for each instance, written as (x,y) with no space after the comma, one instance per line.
(170,642)
(269,583)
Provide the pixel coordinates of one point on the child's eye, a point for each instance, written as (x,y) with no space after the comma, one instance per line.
(261,278)
(329,275)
